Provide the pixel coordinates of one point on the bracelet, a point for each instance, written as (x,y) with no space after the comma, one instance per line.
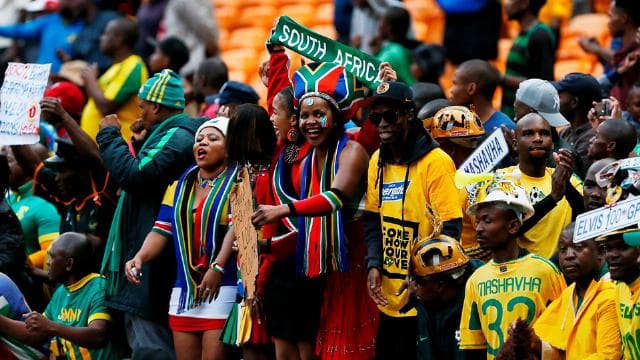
(217,268)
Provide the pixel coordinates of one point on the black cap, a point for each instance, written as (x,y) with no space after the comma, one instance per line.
(175,49)
(583,86)
(234,92)
(66,155)
(394,91)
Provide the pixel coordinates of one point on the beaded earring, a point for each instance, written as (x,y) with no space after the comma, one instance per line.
(292,135)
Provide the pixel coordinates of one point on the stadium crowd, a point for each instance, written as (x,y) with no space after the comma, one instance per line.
(411,217)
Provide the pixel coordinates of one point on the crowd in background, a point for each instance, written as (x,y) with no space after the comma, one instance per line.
(119,237)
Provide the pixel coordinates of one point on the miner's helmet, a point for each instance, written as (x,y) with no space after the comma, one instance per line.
(438,255)
(456,122)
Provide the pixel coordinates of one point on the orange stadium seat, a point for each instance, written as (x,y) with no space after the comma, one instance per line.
(504,45)
(226,16)
(301,13)
(326,30)
(421,30)
(323,15)
(237,75)
(600,6)
(435,33)
(565,67)
(589,25)
(244,60)
(256,16)
(248,37)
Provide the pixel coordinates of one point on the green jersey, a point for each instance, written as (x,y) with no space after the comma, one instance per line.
(400,57)
(78,305)
(39,219)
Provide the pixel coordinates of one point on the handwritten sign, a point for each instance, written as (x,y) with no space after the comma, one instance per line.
(606,219)
(320,48)
(241,199)
(487,155)
(20,97)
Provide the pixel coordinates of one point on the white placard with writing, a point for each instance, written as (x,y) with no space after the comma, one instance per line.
(20,96)
(487,155)
(606,219)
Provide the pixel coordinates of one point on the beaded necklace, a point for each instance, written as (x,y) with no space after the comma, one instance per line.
(203,182)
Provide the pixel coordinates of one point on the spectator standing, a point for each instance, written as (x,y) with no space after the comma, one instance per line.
(149,16)
(396,48)
(532,54)
(208,80)
(193,22)
(472,29)
(115,90)
(165,153)
(407,173)
(577,92)
(474,84)
(206,269)
(499,212)
(39,219)
(612,139)
(622,259)
(56,32)
(589,327)
(87,45)
(170,53)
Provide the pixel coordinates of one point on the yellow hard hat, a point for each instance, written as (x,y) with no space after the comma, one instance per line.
(437,255)
(456,122)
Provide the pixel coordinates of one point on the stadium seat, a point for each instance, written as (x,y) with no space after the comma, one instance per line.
(248,37)
(226,16)
(435,33)
(565,67)
(421,30)
(323,15)
(301,13)
(244,60)
(589,25)
(256,16)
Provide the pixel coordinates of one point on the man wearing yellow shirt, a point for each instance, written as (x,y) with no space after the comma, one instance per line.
(623,267)
(406,175)
(513,284)
(117,89)
(582,323)
(554,193)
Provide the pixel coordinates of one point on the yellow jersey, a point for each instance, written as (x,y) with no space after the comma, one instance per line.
(583,331)
(498,294)
(120,84)
(542,238)
(402,208)
(628,298)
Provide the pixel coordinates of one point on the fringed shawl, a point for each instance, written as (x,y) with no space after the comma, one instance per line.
(195,234)
(321,244)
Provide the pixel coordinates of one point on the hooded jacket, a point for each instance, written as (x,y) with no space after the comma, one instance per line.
(396,215)
(164,156)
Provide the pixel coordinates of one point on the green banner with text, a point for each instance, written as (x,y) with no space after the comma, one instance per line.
(320,48)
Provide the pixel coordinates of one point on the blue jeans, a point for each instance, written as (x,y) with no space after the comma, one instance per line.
(147,339)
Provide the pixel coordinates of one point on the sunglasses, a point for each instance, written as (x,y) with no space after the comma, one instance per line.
(391,116)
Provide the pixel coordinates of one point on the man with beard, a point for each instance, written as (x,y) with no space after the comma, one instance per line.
(56,31)
(115,91)
(546,187)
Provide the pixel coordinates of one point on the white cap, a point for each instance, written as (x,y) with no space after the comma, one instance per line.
(509,194)
(542,96)
(221,123)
